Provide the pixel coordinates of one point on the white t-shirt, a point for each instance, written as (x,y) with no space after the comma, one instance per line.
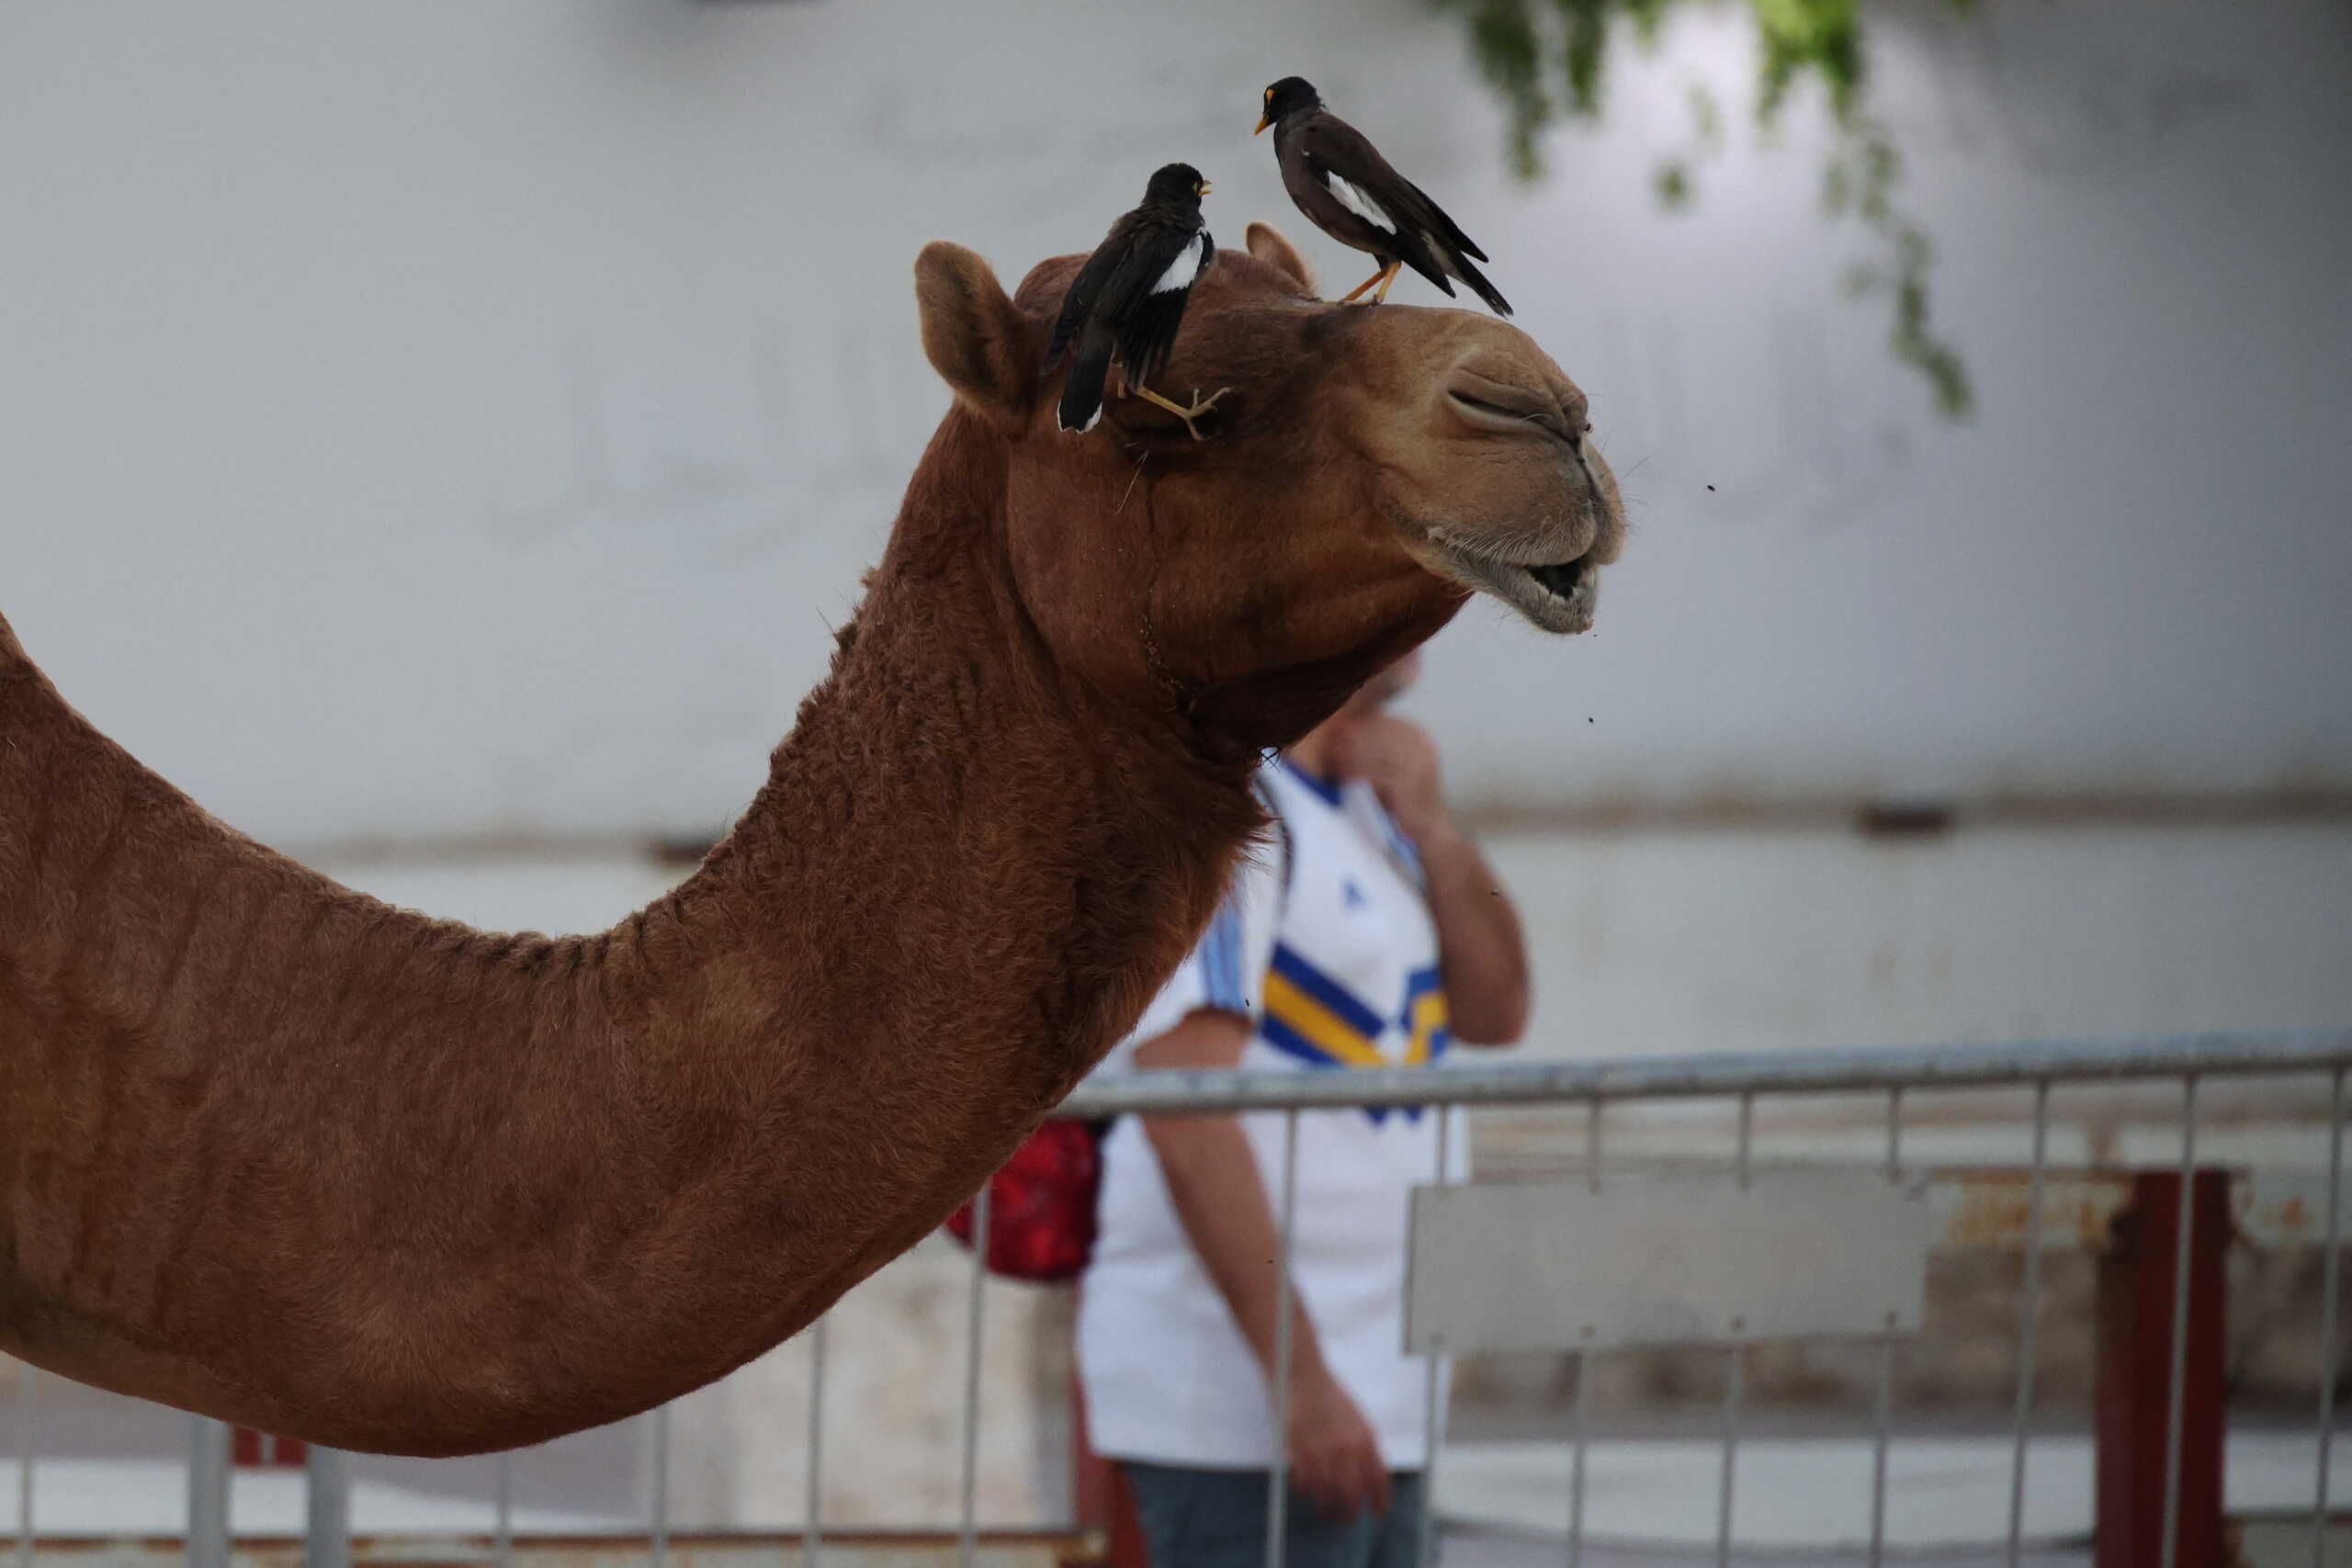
(1337,963)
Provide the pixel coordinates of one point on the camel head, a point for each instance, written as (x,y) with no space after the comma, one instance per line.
(1371,468)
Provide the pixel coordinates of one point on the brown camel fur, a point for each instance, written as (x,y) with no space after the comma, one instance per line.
(277,1152)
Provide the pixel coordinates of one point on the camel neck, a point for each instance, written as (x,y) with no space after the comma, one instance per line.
(947,746)
(965,871)
(530,1184)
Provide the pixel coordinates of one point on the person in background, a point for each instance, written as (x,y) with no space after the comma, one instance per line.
(1372,933)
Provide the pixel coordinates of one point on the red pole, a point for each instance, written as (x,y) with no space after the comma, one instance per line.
(2136,1285)
(249,1449)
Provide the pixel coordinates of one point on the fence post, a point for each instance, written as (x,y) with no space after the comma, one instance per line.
(27,1376)
(208,1493)
(327,1540)
(2136,1284)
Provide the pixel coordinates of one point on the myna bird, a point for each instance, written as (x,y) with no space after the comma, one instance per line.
(1127,300)
(1340,181)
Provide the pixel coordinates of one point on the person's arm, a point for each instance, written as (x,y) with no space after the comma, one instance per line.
(1480,951)
(1220,1199)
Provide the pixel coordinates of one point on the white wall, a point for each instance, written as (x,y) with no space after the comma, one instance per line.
(445,419)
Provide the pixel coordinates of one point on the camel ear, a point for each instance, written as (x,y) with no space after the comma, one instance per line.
(972,335)
(1266,243)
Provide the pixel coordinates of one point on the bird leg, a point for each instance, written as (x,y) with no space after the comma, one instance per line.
(1385,276)
(1200,405)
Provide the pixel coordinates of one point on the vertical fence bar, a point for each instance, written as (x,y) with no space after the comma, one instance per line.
(2029,1319)
(326,1539)
(968,1537)
(1882,1396)
(1735,1375)
(1577,1463)
(658,1537)
(1583,1437)
(1278,1478)
(208,1493)
(812,1537)
(1882,1422)
(2329,1286)
(27,1374)
(502,1528)
(2178,1377)
(1735,1360)
(1433,1377)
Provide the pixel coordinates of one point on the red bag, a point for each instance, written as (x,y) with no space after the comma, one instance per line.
(1041,1205)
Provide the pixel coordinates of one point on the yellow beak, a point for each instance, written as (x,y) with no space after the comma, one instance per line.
(1200,190)
(1262,123)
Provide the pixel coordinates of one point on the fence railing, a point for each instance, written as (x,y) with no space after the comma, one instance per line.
(1597,1092)
(2188,1060)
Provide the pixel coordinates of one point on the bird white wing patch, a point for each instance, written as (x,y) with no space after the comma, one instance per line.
(1363,206)
(1186,266)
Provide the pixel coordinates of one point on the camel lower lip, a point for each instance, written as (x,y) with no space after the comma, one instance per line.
(1556,597)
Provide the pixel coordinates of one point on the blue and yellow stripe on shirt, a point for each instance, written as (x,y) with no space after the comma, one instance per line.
(1314,1017)
(1426,1016)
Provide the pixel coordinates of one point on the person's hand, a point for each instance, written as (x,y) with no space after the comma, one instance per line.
(1334,1457)
(1397,759)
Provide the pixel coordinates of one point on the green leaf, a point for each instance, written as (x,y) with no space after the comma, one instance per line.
(1588,38)
(1546,60)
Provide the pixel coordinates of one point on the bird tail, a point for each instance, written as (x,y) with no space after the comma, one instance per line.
(1082,402)
(1459,265)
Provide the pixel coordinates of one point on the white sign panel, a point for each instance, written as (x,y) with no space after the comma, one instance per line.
(1795,1255)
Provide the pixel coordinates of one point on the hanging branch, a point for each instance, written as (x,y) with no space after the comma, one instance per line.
(1517,42)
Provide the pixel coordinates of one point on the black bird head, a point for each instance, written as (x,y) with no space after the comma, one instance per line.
(1176,183)
(1288,97)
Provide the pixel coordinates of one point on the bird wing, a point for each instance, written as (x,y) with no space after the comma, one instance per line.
(1089,285)
(1148,329)
(1368,186)
(1154,263)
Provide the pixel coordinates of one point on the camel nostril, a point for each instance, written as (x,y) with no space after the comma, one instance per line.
(1504,407)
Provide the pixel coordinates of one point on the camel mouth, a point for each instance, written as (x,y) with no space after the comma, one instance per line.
(1554,596)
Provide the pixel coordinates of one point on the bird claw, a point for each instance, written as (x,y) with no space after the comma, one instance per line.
(1200,406)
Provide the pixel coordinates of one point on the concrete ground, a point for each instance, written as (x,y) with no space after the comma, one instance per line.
(1807,1499)
(1474,1547)
(1797,1500)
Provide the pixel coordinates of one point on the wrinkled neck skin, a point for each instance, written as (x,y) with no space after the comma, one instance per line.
(274,1151)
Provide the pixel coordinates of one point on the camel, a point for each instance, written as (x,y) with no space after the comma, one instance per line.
(278,1152)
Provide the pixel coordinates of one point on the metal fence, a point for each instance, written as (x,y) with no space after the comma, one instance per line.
(1601,1095)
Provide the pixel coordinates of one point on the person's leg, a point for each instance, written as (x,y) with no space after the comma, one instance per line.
(1397,1543)
(1200,1518)
(1217,1518)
